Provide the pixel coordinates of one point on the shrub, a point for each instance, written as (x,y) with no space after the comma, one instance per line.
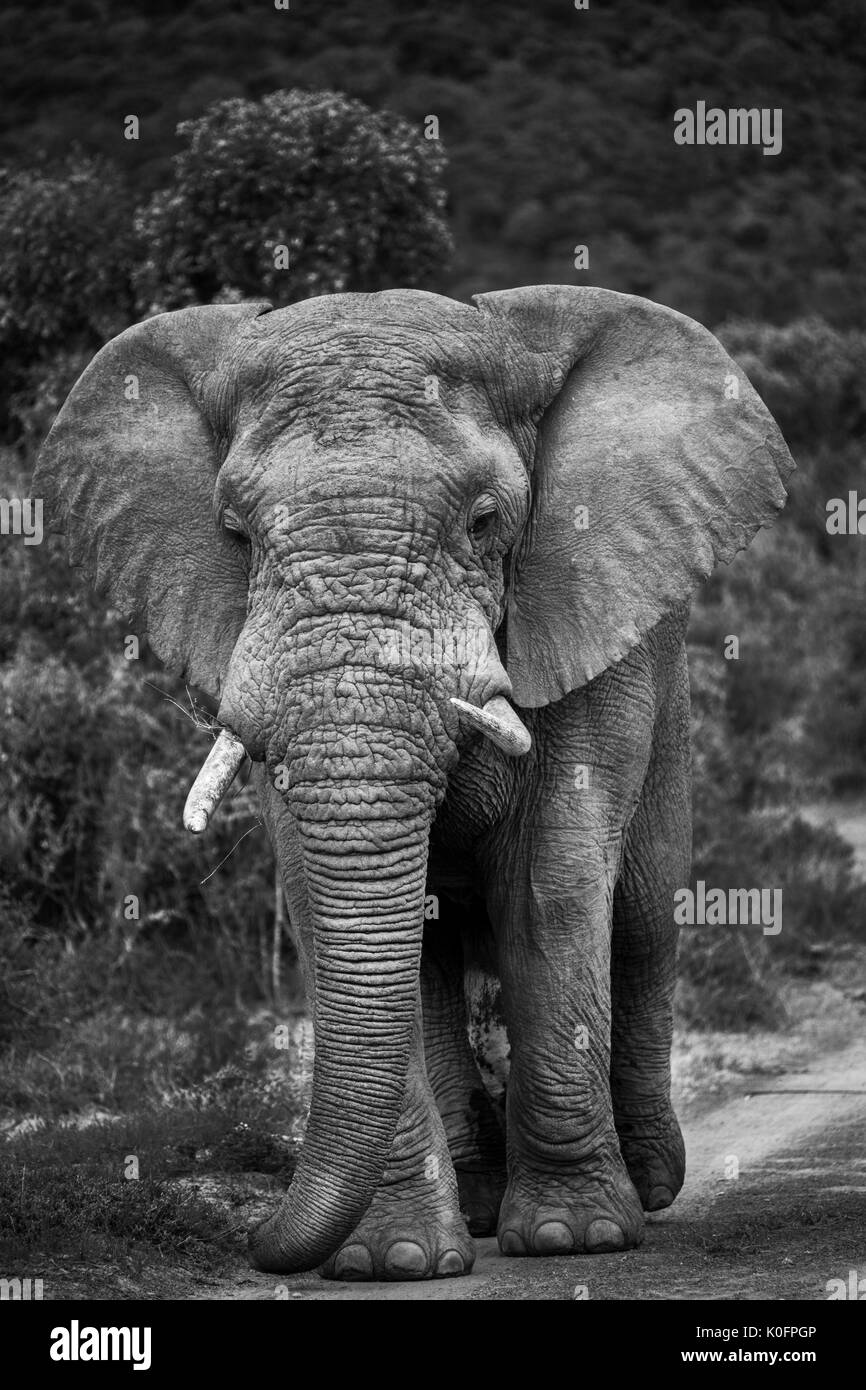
(352,197)
(747,835)
(66,249)
(811,375)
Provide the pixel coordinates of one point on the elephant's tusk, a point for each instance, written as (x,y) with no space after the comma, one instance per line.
(498,721)
(218,771)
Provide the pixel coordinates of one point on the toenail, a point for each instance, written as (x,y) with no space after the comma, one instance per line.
(553,1238)
(510,1243)
(450,1263)
(353,1262)
(659,1197)
(406,1259)
(602,1236)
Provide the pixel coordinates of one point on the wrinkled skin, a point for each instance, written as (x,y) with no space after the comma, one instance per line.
(336,518)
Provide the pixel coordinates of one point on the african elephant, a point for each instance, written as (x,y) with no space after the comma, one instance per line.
(374,527)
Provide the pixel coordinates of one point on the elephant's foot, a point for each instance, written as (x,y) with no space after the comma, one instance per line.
(654,1154)
(481,1192)
(570,1214)
(413,1228)
(404,1238)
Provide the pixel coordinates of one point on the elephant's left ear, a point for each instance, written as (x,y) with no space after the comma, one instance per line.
(655,458)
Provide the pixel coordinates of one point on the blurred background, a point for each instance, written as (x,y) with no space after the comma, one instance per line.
(152,159)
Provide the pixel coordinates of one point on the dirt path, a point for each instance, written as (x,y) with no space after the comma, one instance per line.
(774,1207)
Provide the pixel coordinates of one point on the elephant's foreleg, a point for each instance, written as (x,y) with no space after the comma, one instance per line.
(655,864)
(413,1228)
(568,1189)
(472,1127)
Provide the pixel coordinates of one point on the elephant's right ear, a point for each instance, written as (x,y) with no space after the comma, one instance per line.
(128,471)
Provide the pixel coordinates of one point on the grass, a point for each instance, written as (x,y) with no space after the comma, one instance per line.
(821,1014)
(171,1177)
(149,1193)
(85,1207)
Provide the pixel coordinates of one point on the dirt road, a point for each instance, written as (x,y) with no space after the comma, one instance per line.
(774,1207)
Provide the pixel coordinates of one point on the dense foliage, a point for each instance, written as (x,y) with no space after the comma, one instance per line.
(294,195)
(300,193)
(67,250)
(558,124)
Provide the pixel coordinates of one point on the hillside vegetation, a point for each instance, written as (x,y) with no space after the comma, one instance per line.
(558,124)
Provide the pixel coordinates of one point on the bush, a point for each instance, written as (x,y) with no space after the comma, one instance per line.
(97,771)
(94,1213)
(66,250)
(747,835)
(834,718)
(41,389)
(811,375)
(352,197)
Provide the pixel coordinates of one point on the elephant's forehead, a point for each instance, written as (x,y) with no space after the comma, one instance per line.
(348,388)
(441,453)
(402,374)
(366,344)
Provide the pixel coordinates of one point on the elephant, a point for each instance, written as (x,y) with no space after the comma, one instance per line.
(433,561)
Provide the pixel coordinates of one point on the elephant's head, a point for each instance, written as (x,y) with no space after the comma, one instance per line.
(324,516)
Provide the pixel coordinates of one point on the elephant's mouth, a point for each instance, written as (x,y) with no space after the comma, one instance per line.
(495,719)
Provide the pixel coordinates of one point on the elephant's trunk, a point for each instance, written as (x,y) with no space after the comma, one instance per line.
(366,894)
(361,752)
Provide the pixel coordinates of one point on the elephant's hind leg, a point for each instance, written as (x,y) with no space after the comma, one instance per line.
(474,1132)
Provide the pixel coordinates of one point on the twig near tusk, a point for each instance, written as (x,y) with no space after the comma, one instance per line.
(217,773)
(498,721)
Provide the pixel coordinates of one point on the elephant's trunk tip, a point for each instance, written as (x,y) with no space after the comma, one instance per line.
(213,781)
(498,722)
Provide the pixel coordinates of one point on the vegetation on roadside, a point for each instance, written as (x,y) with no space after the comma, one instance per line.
(558,123)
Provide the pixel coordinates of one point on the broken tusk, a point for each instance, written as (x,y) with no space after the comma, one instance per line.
(498,721)
(218,771)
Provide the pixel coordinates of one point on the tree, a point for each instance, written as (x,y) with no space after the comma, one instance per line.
(298,194)
(66,248)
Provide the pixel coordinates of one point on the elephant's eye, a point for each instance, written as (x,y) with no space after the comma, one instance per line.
(483,520)
(232,522)
(483,523)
